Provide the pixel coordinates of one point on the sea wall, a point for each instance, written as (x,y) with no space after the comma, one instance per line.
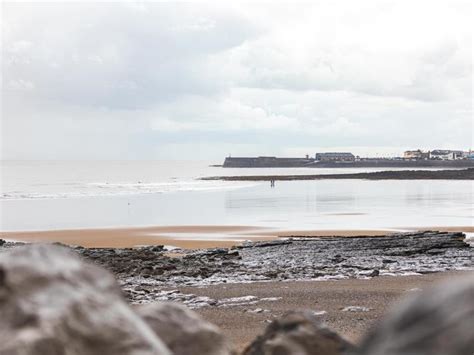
(274,162)
(266,162)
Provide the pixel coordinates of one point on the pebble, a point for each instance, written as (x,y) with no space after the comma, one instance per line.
(355,309)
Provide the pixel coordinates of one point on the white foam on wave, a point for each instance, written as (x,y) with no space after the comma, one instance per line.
(106,189)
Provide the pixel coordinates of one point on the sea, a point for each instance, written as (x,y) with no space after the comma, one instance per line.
(54,195)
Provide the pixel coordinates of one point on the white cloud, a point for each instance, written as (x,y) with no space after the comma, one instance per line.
(20,84)
(217,114)
(134,79)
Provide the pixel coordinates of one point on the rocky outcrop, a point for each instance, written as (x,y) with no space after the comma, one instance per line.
(51,302)
(144,272)
(182,330)
(359,257)
(438,321)
(298,333)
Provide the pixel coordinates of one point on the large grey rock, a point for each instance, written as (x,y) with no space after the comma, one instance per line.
(51,302)
(183,331)
(298,333)
(439,321)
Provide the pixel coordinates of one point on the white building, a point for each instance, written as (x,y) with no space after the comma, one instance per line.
(440,154)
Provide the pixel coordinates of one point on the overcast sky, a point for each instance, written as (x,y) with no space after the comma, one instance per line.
(201,81)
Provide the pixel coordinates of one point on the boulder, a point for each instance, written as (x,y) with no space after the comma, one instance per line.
(182,330)
(51,302)
(436,321)
(298,333)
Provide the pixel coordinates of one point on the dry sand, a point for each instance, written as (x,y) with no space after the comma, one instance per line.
(378,294)
(188,237)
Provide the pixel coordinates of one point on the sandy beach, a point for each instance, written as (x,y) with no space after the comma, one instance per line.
(241,323)
(243,307)
(189,237)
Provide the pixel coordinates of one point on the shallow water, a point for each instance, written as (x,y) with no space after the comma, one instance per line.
(59,195)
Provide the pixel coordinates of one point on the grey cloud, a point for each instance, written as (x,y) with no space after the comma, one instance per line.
(110,55)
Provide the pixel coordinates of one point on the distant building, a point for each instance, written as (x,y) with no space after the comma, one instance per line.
(468,155)
(416,155)
(334,156)
(458,154)
(440,154)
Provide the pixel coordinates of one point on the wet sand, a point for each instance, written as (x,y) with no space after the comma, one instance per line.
(378,294)
(189,237)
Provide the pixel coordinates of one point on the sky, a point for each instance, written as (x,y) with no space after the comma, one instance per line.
(202,80)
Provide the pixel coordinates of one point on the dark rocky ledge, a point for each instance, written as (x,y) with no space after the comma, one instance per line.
(145,272)
(458,174)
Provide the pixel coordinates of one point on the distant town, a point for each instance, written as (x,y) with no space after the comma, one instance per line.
(438,154)
(410,158)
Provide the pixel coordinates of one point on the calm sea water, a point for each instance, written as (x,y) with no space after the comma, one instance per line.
(57,195)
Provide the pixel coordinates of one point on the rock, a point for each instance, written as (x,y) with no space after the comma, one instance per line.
(183,331)
(271,274)
(355,309)
(258,310)
(157,248)
(298,333)
(415,289)
(238,301)
(272,243)
(270,299)
(374,273)
(2,242)
(319,313)
(232,254)
(437,321)
(369,273)
(51,302)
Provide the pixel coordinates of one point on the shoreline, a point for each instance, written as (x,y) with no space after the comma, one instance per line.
(193,236)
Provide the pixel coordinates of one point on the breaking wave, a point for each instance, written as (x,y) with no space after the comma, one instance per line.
(106,189)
